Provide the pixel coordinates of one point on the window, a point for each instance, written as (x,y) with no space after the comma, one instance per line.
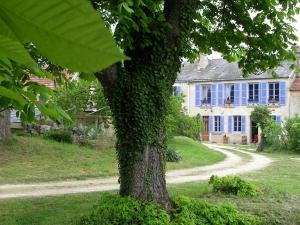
(217,123)
(274,92)
(229,93)
(176,90)
(253,93)
(206,94)
(237,123)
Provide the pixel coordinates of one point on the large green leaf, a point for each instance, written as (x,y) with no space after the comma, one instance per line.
(14,50)
(69,33)
(12,95)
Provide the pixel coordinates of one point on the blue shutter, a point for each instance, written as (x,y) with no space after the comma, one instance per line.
(220,94)
(245,88)
(278,120)
(211,124)
(214,95)
(243,123)
(197,95)
(263,90)
(237,94)
(282,92)
(222,123)
(229,124)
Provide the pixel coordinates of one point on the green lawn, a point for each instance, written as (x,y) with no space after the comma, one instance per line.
(279,200)
(31,159)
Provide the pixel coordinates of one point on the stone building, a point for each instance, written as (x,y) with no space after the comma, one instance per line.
(217,91)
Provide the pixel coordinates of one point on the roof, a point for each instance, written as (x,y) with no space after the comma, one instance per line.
(220,69)
(48,83)
(296,84)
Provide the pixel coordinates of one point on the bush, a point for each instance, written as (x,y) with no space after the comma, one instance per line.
(60,136)
(192,211)
(172,155)
(292,127)
(117,210)
(233,185)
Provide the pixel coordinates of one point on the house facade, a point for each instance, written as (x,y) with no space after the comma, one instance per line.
(217,91)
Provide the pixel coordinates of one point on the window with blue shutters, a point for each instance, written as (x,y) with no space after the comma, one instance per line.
(274,92)
(277,119)
(198,95)
(217,123)
(237,123)
(220,95)
(229,93)
(213,94)
(177,91)
(253,93)
(237,92)
(282,92)
(206,94)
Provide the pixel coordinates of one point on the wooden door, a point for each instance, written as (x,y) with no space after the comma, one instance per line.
(205,133)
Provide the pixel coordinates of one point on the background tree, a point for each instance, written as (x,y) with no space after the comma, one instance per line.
(156,35)
(178,123)
(261,115)
(80,96)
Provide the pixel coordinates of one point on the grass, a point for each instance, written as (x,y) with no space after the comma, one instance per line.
(193,154)
(34,159)
(279,200)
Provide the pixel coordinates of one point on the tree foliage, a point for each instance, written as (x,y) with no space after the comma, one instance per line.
(70,34)
(77,97)
(179,123)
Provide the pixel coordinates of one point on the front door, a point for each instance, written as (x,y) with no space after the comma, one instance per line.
(205,133)
(254,132)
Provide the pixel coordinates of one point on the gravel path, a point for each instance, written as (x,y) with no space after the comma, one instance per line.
(233,164)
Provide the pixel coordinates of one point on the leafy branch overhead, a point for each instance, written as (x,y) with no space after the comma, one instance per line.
(68,33)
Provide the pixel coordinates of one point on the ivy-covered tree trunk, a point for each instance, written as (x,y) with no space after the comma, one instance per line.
(138,93)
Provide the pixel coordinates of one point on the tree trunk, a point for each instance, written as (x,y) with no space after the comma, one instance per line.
(143,176)
(4,124)
(138,92)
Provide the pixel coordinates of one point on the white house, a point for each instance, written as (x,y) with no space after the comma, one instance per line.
(217,91)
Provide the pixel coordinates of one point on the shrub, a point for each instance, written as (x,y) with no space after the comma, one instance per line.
(233,185)
(115,210)
(292,127)
(60,136)
(192,211)
(172,155)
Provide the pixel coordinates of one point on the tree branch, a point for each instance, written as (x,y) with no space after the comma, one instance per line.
(172,11)
(108,78)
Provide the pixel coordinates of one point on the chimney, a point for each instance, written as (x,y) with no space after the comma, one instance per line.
(202,62)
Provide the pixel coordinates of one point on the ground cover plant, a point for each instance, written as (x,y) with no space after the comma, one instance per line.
(117,210)
(233,185)
(32,159)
